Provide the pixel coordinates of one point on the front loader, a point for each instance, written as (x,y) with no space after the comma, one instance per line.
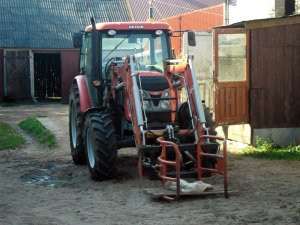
(131,92)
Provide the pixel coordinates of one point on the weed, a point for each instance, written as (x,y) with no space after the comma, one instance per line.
(266,144)
(266,148)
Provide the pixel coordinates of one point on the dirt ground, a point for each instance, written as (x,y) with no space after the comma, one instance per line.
(41,186)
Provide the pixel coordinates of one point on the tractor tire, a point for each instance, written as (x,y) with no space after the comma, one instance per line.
(101,146)
(76,127)
(184,119)
(210,123)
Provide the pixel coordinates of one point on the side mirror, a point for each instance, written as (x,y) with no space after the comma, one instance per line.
(191,38)
(77,40)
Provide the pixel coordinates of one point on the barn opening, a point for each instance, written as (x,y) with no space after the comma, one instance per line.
(47,76)
(17,75)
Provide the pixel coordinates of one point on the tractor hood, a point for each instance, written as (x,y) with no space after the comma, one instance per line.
(153,81)
(129,26)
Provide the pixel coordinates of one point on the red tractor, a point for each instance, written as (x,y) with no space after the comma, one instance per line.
(130,91)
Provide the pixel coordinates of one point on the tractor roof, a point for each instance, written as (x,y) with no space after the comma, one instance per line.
(130,26)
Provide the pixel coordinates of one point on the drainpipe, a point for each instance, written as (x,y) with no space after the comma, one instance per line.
(226,12)
(180,28)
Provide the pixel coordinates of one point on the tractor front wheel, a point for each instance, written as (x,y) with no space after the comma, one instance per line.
(76,127)
(101,148)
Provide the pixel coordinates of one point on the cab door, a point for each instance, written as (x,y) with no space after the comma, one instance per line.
(231,76)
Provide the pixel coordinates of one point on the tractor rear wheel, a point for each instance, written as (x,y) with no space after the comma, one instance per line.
(101,148)
(76,127)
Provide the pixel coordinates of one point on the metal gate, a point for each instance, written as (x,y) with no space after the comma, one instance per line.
(17,81)
(47,75)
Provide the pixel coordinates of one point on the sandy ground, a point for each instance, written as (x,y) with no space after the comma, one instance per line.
(41,186)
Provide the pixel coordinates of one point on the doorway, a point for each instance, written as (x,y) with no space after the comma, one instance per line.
(17,75)
(47,76)
(231,76)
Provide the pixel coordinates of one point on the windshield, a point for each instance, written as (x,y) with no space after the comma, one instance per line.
(149,49)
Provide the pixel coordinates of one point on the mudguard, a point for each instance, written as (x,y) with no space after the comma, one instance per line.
(84,97)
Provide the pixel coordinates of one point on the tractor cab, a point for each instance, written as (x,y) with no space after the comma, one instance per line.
(109,45)
(149,48)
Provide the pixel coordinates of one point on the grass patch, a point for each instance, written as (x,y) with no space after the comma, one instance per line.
(267,149)
(8,104)
(9,138)
(34,127)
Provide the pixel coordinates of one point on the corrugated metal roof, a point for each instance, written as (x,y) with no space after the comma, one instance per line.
(165,9)
(51,23)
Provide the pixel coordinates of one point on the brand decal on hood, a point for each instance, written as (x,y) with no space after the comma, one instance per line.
(135,27)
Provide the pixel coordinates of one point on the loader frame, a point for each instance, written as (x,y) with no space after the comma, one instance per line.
(166,149)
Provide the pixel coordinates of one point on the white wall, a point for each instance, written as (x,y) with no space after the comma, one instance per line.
(203,63)
(258,9)
(297,6)
(251,9)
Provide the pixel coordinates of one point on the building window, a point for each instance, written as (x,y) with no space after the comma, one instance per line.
(289,7)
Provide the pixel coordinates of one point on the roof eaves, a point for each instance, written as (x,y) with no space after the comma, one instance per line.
(264,23)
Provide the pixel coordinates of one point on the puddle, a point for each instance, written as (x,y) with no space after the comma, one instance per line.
(49,175)
(41,180)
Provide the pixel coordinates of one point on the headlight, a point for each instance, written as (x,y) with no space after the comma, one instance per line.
(111,32)
(158,32)
(146,105)
(166,94)
(165,104)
